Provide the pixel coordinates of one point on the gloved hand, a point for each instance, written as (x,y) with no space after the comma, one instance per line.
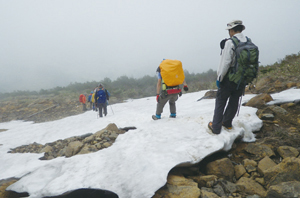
(218,84)
(185,88)
(157,97)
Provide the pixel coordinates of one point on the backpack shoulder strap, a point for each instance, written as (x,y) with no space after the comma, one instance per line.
(248,39)
(235,41)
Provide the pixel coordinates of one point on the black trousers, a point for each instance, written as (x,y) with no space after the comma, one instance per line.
(227,90)
(102,106)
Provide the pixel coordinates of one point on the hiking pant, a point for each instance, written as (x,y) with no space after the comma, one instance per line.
(162,101)
(227,90)
(91,105)
(102,106)
(84,107)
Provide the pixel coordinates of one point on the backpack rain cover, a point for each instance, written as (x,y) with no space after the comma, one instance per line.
(172,72)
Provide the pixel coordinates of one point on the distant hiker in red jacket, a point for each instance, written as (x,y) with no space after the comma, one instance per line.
(82,99)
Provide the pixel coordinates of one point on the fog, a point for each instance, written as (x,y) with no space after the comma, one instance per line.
(52,43)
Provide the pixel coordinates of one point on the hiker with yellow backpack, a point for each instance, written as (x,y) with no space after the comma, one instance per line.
(170,77)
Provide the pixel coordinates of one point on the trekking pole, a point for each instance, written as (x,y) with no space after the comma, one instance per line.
(112,109)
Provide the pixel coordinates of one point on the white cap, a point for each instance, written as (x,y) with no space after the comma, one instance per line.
(234,23)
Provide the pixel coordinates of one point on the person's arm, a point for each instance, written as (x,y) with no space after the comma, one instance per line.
(185,87)
(226,60)
(158,86)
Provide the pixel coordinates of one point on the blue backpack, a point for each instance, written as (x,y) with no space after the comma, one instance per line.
(101,96)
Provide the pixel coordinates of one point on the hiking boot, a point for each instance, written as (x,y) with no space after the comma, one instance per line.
(173,115)
(227,127)
(210,127)
(156,117)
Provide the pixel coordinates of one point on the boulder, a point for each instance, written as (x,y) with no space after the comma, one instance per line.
(287,151)
(259,100)
(207,194)
(265,164)
(251,187)
(179,187)
(247,162)
(228,187)
(284,190)
(73,148)
(203,180)
(250,169)
(222,168)
(259,150)
(287,170)
(239,171)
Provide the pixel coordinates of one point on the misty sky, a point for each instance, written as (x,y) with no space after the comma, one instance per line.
(49,43)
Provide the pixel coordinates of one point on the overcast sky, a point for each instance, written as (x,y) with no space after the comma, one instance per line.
(52,43)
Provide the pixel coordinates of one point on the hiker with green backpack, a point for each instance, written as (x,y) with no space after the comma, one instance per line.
(238,67)
(170,77)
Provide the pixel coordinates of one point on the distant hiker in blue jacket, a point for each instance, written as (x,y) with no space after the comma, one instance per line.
(101,99)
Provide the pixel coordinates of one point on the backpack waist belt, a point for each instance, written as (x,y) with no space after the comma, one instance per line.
(173,91)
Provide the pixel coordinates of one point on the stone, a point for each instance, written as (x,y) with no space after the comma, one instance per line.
(259,100)
(278,110)
(287,151)
(222,168)
(291,84)
(259,150)
(265,164)
(219,190)
(106,145)
(229,187)
(73,148)
(251,187)
(239,171)
(179,187)
(247,162)
(261,181)
(202,180)
(287,170)
(267,116)
(207,194)
(112,127)
(113,135)
(284,190)
(47,149)
(250,169)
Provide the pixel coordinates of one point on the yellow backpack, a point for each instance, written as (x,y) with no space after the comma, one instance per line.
(171,72)
(93,98)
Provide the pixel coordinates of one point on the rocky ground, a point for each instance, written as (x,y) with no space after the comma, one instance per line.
(269,167)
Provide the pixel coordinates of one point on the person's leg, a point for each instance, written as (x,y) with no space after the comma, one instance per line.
(173,99)
(100,109)
(221,100)
(105,108)
(160,105)
(232,107)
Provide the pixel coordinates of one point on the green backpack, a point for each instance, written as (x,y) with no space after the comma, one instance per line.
(246,62)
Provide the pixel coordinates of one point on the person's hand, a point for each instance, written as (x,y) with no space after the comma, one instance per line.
(218,84)
(185,88)
(157,97)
